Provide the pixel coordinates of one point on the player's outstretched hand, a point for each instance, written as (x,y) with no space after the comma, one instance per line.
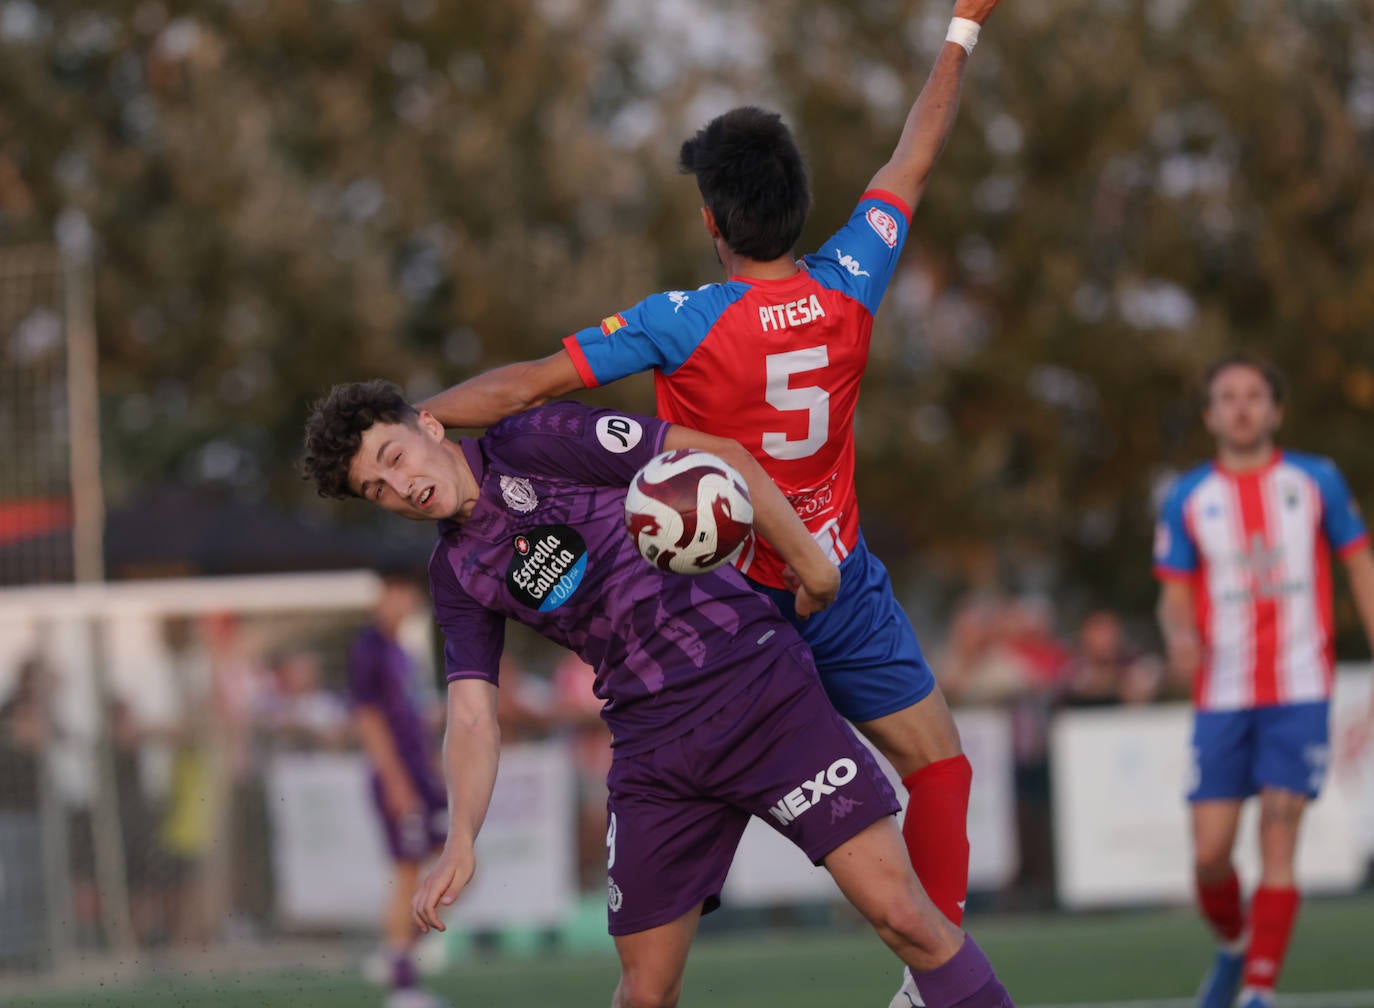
(813,597)
(449,876)
(974,10)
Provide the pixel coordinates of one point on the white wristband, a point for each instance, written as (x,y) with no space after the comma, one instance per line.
(963,32)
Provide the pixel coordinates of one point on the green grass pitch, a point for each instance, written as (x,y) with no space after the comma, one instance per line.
(1043,961)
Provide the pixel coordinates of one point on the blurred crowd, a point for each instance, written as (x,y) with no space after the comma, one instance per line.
(1007,651)
(189,787)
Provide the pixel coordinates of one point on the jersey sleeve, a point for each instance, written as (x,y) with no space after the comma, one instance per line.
(859,259)
(660,332)
(364,670)
(474,636)
(1342,524)
(571,440)
(1175,554)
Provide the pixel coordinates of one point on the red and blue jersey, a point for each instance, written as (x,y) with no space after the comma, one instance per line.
(1256,547)
(774,364)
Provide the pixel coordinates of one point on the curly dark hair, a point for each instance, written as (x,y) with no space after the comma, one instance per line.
(336,426)
(752,178)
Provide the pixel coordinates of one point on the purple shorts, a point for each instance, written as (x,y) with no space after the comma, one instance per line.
(414,837)
(778,751)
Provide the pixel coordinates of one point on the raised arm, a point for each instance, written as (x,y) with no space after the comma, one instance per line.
(472,748)
(931,118)
(774,519)
(492,396)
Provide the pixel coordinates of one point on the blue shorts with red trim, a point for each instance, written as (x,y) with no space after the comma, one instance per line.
(865,648)
(1238,753)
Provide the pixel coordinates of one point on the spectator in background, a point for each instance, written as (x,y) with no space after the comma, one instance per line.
(406,785)
(300,713)
(1106,670)
(26,729)
(523,703)
(577,710)
(1006,653)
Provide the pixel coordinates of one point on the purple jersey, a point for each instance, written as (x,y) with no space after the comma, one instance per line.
(380,675)
(546,545)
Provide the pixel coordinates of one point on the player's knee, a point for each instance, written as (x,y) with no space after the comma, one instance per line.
(1212,863)
(639,990)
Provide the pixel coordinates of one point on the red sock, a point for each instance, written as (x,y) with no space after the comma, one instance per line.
(1220,905)
(1272,913)
(936,831)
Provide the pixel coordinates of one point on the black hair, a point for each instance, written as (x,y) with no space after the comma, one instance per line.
(753,180)
(336,427)
(1272,376)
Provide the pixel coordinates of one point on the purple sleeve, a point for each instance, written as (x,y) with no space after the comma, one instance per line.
(601,447)
(364,670)
(474,636)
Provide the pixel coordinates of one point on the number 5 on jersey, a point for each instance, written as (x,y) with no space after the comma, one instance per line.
(813,399)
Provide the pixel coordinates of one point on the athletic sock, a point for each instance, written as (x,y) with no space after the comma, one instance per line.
(935,829)
(402,971)
(1272,913)
(966,981)
(1220,905)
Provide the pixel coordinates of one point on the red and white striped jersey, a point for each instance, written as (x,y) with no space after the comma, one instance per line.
(1256,547)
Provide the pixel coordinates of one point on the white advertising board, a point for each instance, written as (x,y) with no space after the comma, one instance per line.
(331,864)
(1121,819)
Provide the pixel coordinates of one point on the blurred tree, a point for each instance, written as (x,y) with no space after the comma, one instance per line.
(293,193)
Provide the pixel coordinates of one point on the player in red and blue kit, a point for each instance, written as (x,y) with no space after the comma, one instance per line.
(1243,549)
(773,358)
(712,699)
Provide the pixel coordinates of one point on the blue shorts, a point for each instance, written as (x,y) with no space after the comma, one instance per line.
(1237,753)
(865,649)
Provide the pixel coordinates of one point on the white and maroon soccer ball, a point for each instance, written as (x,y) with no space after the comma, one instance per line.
(688,511)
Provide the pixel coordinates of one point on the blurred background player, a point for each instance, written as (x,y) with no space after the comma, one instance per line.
(391,723)
(712,699)
(1243,551)
(773,358)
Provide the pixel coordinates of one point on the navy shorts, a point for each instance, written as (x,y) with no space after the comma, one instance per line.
(865,648)
(778,751)
(1237,753)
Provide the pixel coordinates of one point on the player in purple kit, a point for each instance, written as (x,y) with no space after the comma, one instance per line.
(712,699)
(405,785)
(773,358)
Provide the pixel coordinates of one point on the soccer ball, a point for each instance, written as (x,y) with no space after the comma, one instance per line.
(688,511)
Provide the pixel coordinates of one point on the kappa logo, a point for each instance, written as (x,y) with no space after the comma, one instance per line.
(810,793)
(850,263)
(518,493)
(679,298)
(841,807)
(884,225)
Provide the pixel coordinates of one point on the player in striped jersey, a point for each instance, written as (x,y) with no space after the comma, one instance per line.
(1243,552)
